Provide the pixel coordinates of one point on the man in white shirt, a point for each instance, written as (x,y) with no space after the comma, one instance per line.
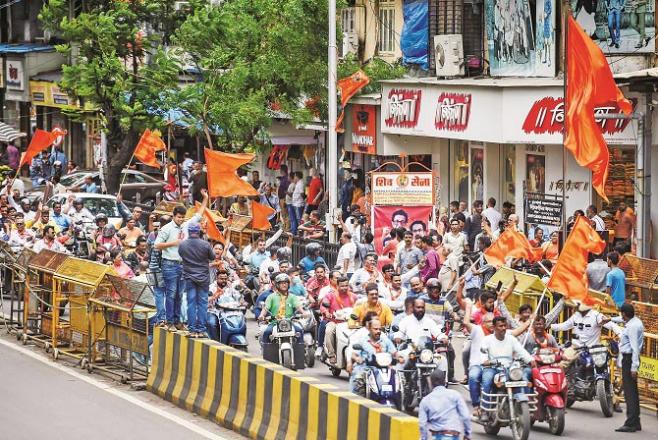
(48,241)
(346,259)
(454,241)
(492,214)
(367,274)
(414,326)
(20,237)
(594,218)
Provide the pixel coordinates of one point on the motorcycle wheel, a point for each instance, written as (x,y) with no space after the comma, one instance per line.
(556,420)
(286,359)
(335,372)
(491,429)
(570,402)
(310,357)
(605,397)
(521,425)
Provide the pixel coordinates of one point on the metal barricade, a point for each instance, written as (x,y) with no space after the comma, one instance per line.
(328,251)
(126,307)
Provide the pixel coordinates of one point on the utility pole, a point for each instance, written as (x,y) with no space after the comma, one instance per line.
(332,141)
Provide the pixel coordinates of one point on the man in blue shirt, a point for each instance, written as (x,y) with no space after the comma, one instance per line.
(630,346)
(615,280)
(376,342)
(443,414)
(89,186)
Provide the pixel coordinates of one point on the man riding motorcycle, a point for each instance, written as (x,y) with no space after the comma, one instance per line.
(312,257)
(316,282)
(439,309)
(78,212)
(376,342)
(416,325)
(333,302)
(280,304)
(374,304)
(222,292)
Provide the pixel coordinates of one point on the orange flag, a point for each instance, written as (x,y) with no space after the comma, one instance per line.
(349,87)
(511,243)
(223,181)
(148,144)
(589,84)
(41,140)
(569,276)
(260,214)
(213,231)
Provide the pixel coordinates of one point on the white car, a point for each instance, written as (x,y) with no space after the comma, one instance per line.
(96,204)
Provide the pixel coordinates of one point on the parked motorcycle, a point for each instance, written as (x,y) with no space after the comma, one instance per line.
(383,383)
(232,329)
(550,384)
(283,348)
(426,356)
(589,378)
(508,404)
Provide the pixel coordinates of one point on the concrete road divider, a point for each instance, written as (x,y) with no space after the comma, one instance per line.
(262,400)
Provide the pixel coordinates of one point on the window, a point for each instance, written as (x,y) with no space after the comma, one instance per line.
(348,20)
(387,35)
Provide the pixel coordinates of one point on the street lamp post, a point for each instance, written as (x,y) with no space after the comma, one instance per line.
(332,141)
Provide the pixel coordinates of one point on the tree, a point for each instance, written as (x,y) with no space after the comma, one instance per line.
(118,63)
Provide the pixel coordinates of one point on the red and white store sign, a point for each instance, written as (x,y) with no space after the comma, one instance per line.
(496,114)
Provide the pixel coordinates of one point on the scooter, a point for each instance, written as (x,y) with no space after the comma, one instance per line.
(344,331)
(232,329)
(508,404)
(382,381)
(283,348)
(308,323)
(551,386)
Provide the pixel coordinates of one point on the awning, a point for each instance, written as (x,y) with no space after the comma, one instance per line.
(9,134)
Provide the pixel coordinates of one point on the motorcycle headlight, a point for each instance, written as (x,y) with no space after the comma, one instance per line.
(383,359)
(599,359)
(516,374)
(547,358)
(426,356)
(284,326)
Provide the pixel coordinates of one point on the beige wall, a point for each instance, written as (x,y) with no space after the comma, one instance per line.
(368,37)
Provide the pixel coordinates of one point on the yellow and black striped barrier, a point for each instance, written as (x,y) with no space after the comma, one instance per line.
(262,400)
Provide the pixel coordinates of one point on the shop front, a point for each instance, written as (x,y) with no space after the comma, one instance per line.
(502,139)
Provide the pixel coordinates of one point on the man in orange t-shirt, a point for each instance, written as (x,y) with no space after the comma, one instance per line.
(315,192)
(625,219)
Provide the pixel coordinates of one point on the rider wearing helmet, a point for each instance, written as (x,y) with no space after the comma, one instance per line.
(107,238)
(78,212)
(312,257)
(279,305)
(439,309)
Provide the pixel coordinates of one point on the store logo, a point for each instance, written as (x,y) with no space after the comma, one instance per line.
(453,111)
(547,116)
(403,108)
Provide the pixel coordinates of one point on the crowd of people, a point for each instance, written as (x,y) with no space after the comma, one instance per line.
(428,283)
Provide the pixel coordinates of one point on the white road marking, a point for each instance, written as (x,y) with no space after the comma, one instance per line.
(120,394)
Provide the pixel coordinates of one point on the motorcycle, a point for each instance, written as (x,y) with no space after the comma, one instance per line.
(382,381)
(550,383)
(308,323)
(508,404)
(80,242)
(343,334)
(284,348)
(425,357)
(232,324)
(589,378)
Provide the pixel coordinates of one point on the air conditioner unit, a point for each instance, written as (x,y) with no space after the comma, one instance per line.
(350,43)
(182,6)
(449,55)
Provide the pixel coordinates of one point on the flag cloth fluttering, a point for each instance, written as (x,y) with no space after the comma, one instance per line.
(349,87)
(223,180)
(569,277)
(41,139)
(212,230)
(511,244)
(589,84)
(148,145)
(260,214)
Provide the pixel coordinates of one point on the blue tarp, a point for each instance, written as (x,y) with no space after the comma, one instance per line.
(26,48)
(415,33)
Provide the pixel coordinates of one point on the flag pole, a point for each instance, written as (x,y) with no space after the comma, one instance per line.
(123,178)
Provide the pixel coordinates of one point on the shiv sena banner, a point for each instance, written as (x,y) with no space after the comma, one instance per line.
(385,218)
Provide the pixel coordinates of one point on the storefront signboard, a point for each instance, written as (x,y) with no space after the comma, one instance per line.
(543,212)
(48,94)
(404,189)
(402,108)
(364,129)
(453,111)
(15,75)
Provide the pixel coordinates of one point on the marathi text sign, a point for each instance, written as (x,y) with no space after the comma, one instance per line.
(544,212)
(403,189)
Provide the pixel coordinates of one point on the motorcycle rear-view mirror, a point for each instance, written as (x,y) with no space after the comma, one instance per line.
(358,347)
(395,328)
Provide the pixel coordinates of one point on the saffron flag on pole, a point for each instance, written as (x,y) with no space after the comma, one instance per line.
(511,244)
(349,87)
(223,180)
(211,224)
(41,139)
(589,84)
(148,145)
(569,277)
(260,216)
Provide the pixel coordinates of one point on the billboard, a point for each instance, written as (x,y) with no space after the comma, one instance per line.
(364,129)
(521,42)
(385,218)
(618,26)
(407,189)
